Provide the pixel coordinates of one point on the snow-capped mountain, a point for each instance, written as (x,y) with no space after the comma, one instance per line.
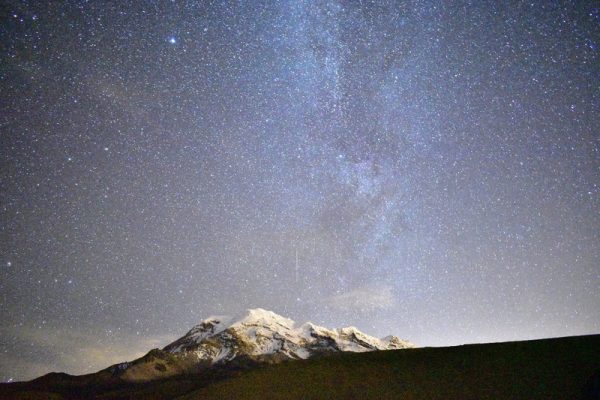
(257,335)
(260,332)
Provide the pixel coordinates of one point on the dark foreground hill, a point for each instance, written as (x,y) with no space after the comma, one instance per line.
(563,368)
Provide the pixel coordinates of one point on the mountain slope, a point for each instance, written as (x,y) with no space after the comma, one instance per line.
(565,368)
(256,336)
(561,368)
(259,332)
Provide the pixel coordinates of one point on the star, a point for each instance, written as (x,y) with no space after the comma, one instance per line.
(364,164)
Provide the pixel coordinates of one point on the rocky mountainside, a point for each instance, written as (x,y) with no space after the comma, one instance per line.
(257,336)
(558,369)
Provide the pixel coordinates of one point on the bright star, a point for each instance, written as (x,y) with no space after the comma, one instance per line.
(172,40)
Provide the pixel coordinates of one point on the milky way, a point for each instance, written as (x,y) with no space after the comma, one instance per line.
(426,169)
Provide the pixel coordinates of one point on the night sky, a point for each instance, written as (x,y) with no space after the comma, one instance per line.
(424,169)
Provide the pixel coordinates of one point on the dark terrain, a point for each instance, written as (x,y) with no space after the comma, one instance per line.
(563,368)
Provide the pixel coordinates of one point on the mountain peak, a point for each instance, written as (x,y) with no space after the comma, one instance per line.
(256,335)
(260,311)
(260,316)
(258,332)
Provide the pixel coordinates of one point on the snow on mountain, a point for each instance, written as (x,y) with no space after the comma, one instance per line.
(262,334)
(255,336)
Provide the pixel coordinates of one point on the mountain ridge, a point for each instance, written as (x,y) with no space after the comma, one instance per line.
(565,368)
(255,336)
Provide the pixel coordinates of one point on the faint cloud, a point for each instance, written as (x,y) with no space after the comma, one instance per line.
(365,299)
(74,352)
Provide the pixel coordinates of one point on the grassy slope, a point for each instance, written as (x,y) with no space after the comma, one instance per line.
(541,369)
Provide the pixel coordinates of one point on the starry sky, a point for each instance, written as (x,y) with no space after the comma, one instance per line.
(419,168)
